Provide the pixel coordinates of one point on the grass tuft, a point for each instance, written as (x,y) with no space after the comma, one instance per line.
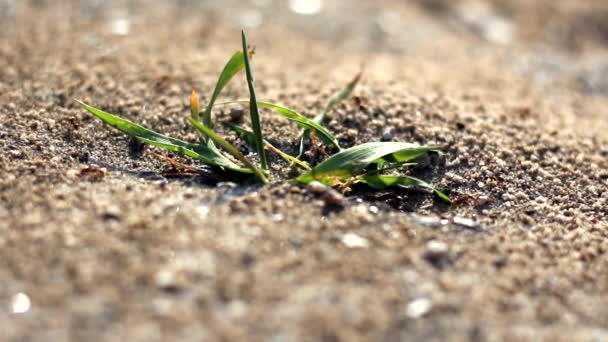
(362,164)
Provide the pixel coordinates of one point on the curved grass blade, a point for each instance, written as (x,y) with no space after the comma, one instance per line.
(228,147)
(235,64)
(302,121)
(338,97)
(253,108)
(250,139)
(380,182)
(297,118)
(334,100)
(147,136)
(347,163)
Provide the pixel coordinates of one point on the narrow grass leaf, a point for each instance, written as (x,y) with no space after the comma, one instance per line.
(347,163)
(228,147)
(338,97)
(150,137)
(297,118)
(253,107)
(235,64)
(302,121)
(250,139)
(384,181)
(334,100)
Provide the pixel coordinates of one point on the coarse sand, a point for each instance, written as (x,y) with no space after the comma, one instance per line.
(99,243)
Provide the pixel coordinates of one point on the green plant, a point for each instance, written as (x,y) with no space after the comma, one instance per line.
(366,163)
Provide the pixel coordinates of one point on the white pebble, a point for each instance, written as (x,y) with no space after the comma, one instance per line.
(352,240)
(418,307)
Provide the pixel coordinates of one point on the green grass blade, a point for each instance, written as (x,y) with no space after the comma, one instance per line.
(148,136)
(338,97)
(253,107)
(302,121)
(250,139)
(297,118)
(215,160)
(384,181)
(228,147)
(132,128)
(347,163)
(334,100)
(232,67)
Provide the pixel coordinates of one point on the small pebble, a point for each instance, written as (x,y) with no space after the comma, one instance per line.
(236,115)
(328,195)
(111,213)
(317,187)
(428,221)
(333,197)
(465,222)
(418,307)
(388,134)
(16,154)
(167,281)
(436,253)
(436,248)
(352,240)
(483,200)
(20,303)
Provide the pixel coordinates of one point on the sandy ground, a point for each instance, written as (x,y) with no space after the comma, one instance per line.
(515,91)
